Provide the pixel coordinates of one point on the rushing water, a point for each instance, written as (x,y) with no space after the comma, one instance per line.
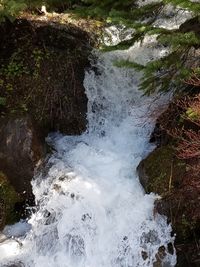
(91,208)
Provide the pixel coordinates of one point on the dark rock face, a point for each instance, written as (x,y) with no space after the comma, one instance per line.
(165,175)
(20,152)
(9,199)
(191,25)
(42,67)
(143,177)
(2,213)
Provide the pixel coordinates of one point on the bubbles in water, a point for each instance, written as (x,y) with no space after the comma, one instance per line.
(91,208)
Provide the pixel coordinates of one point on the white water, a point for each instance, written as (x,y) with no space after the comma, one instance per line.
(92,210)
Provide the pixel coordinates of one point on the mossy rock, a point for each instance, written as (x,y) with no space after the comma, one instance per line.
(8,200)
(42,74)
(161,171)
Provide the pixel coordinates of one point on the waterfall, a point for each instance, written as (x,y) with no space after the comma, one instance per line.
(91,209)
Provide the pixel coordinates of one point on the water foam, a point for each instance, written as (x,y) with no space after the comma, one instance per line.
(92,210)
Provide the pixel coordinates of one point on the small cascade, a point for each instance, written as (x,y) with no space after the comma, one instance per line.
(91,209)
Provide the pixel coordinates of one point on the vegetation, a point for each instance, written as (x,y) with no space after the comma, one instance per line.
(176,67)
(35,70)
(8,199)
(34,75)
(182,42)
(10,8)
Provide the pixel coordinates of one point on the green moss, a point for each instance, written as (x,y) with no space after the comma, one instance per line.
(9,197)
(166,175)
(15,67)
(192,114)
(164,170)
(38,57)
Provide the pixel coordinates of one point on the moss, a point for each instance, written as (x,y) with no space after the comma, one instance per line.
(192,114)
(167,177)
(42,74)
(185,227)
(176,180)
(9,198)
(164,170)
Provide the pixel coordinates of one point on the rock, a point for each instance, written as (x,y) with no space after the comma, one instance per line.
(3,238)
(160,256)
(159,136)
(177,182)
(2,214)
(192,24)
(42,67)
(20,151)
(143,177)
(8,199)
(188,255)
(161,171)
(164,174)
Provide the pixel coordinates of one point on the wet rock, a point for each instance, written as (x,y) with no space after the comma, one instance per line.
(177,182)
(143,177)
(144,255)
(161,171)
(19,264)
(160,256)
(20,151)
(2,214)
(159,136)
(8,201)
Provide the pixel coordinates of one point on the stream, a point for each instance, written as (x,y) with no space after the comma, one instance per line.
(91,208)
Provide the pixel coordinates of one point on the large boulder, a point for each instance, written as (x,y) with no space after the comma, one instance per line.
(162,173)
(21,149)
(42,66)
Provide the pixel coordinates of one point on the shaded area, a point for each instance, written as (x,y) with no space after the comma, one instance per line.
(172,171)
(41,73)
(8,201)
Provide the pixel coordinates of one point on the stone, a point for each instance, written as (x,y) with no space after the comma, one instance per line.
(9,198)
(161,171)
(2,214)
(48,82)
(20,152)
(176,180)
